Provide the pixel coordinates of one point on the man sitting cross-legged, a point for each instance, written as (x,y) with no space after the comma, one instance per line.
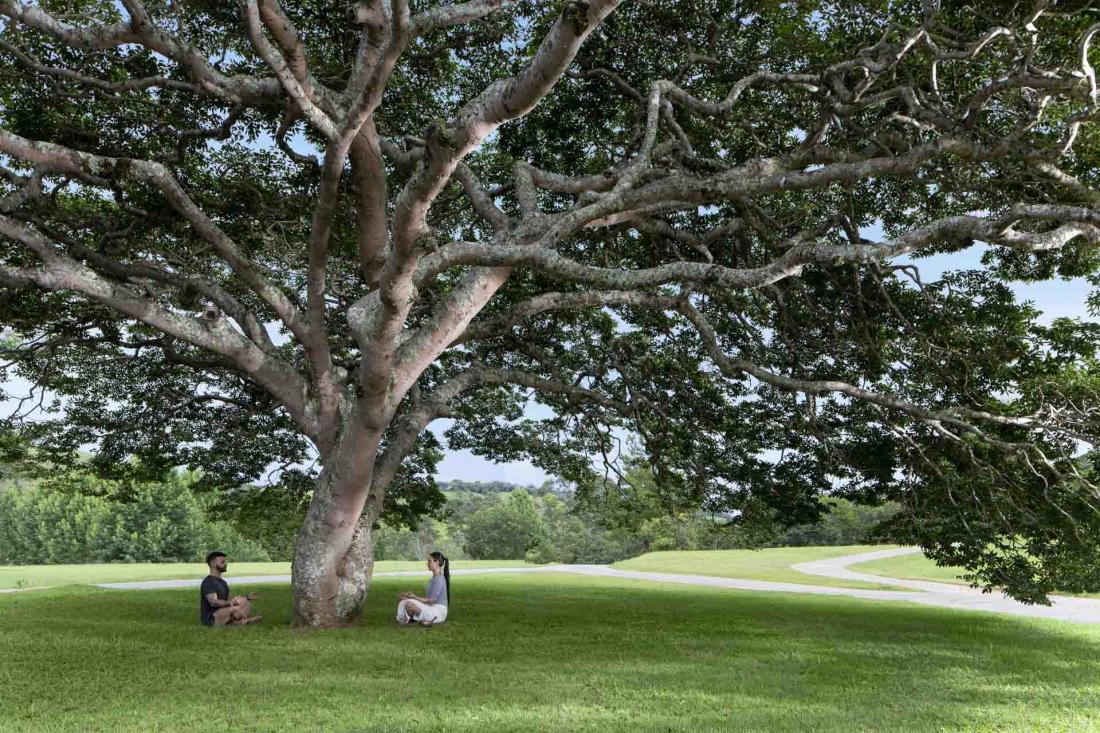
(216,608)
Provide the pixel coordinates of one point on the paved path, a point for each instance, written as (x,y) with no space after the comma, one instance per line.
(1079,610)
(251,579)
(950,595)
(1063,608)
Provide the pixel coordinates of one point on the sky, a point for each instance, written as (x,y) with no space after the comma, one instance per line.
(1054,299)
(1058,298)
(465,466)
(459,464)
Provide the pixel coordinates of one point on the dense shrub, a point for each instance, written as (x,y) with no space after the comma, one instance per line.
(158,522)
(401,544)
(270,516)
(508,529)
(845,523)
(79,518)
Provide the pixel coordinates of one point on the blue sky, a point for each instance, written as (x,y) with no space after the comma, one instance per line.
(1055,299)
(464,465)
(1058,298)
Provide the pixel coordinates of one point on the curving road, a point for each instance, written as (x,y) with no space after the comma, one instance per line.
(948,595)
(1078,610)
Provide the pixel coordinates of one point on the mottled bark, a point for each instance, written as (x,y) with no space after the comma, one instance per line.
(355,572)
(333,557)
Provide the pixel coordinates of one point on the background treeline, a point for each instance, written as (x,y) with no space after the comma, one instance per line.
(78,518)
(540,525)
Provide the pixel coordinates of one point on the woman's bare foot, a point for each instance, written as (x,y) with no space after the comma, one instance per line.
(425,624)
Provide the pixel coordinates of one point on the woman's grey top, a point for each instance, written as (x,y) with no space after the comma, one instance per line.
(437,590)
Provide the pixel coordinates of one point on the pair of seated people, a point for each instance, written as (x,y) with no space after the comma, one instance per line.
(216,608)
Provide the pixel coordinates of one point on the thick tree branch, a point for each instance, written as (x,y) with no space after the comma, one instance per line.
(958,417)
(301,90)
(235,89)
(498,325)
(111,87)
(1078,222)
(446,146)
(456,14)
(183,282)
(65,160)
(212,333)
(373,194)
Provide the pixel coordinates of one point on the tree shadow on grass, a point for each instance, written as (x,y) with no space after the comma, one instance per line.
(551,653)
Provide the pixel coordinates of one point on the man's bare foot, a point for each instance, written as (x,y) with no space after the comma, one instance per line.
(252,620)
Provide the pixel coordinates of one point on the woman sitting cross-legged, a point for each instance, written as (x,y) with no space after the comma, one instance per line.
(431,608)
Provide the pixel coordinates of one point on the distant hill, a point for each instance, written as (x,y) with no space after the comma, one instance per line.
(481,487)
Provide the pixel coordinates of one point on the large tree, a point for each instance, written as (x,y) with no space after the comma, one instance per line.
(238,233)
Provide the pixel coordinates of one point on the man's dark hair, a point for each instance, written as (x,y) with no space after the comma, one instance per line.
(212,555)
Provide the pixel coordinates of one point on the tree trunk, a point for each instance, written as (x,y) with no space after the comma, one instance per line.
(334,556)
(355,572)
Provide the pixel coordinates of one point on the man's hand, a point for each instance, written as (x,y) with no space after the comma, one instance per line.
(405,595)
(252,596)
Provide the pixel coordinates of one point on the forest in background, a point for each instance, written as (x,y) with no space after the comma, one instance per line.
(76,518)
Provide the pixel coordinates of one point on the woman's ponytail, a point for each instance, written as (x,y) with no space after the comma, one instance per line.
(447,577)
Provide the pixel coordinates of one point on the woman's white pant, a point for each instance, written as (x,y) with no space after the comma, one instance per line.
(435,613)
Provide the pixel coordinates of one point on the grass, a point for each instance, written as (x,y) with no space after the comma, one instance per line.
(919,567)
(542,653)
(37,576)
(769,564)
(912,567)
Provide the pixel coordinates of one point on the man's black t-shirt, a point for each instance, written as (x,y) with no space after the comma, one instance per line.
(210,584)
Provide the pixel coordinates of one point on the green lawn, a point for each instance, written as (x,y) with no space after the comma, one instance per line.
(35,576)
(913,567)
(542,653)
(769,564)
(919,567)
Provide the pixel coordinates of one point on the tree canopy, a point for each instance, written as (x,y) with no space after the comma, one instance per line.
(233,234)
